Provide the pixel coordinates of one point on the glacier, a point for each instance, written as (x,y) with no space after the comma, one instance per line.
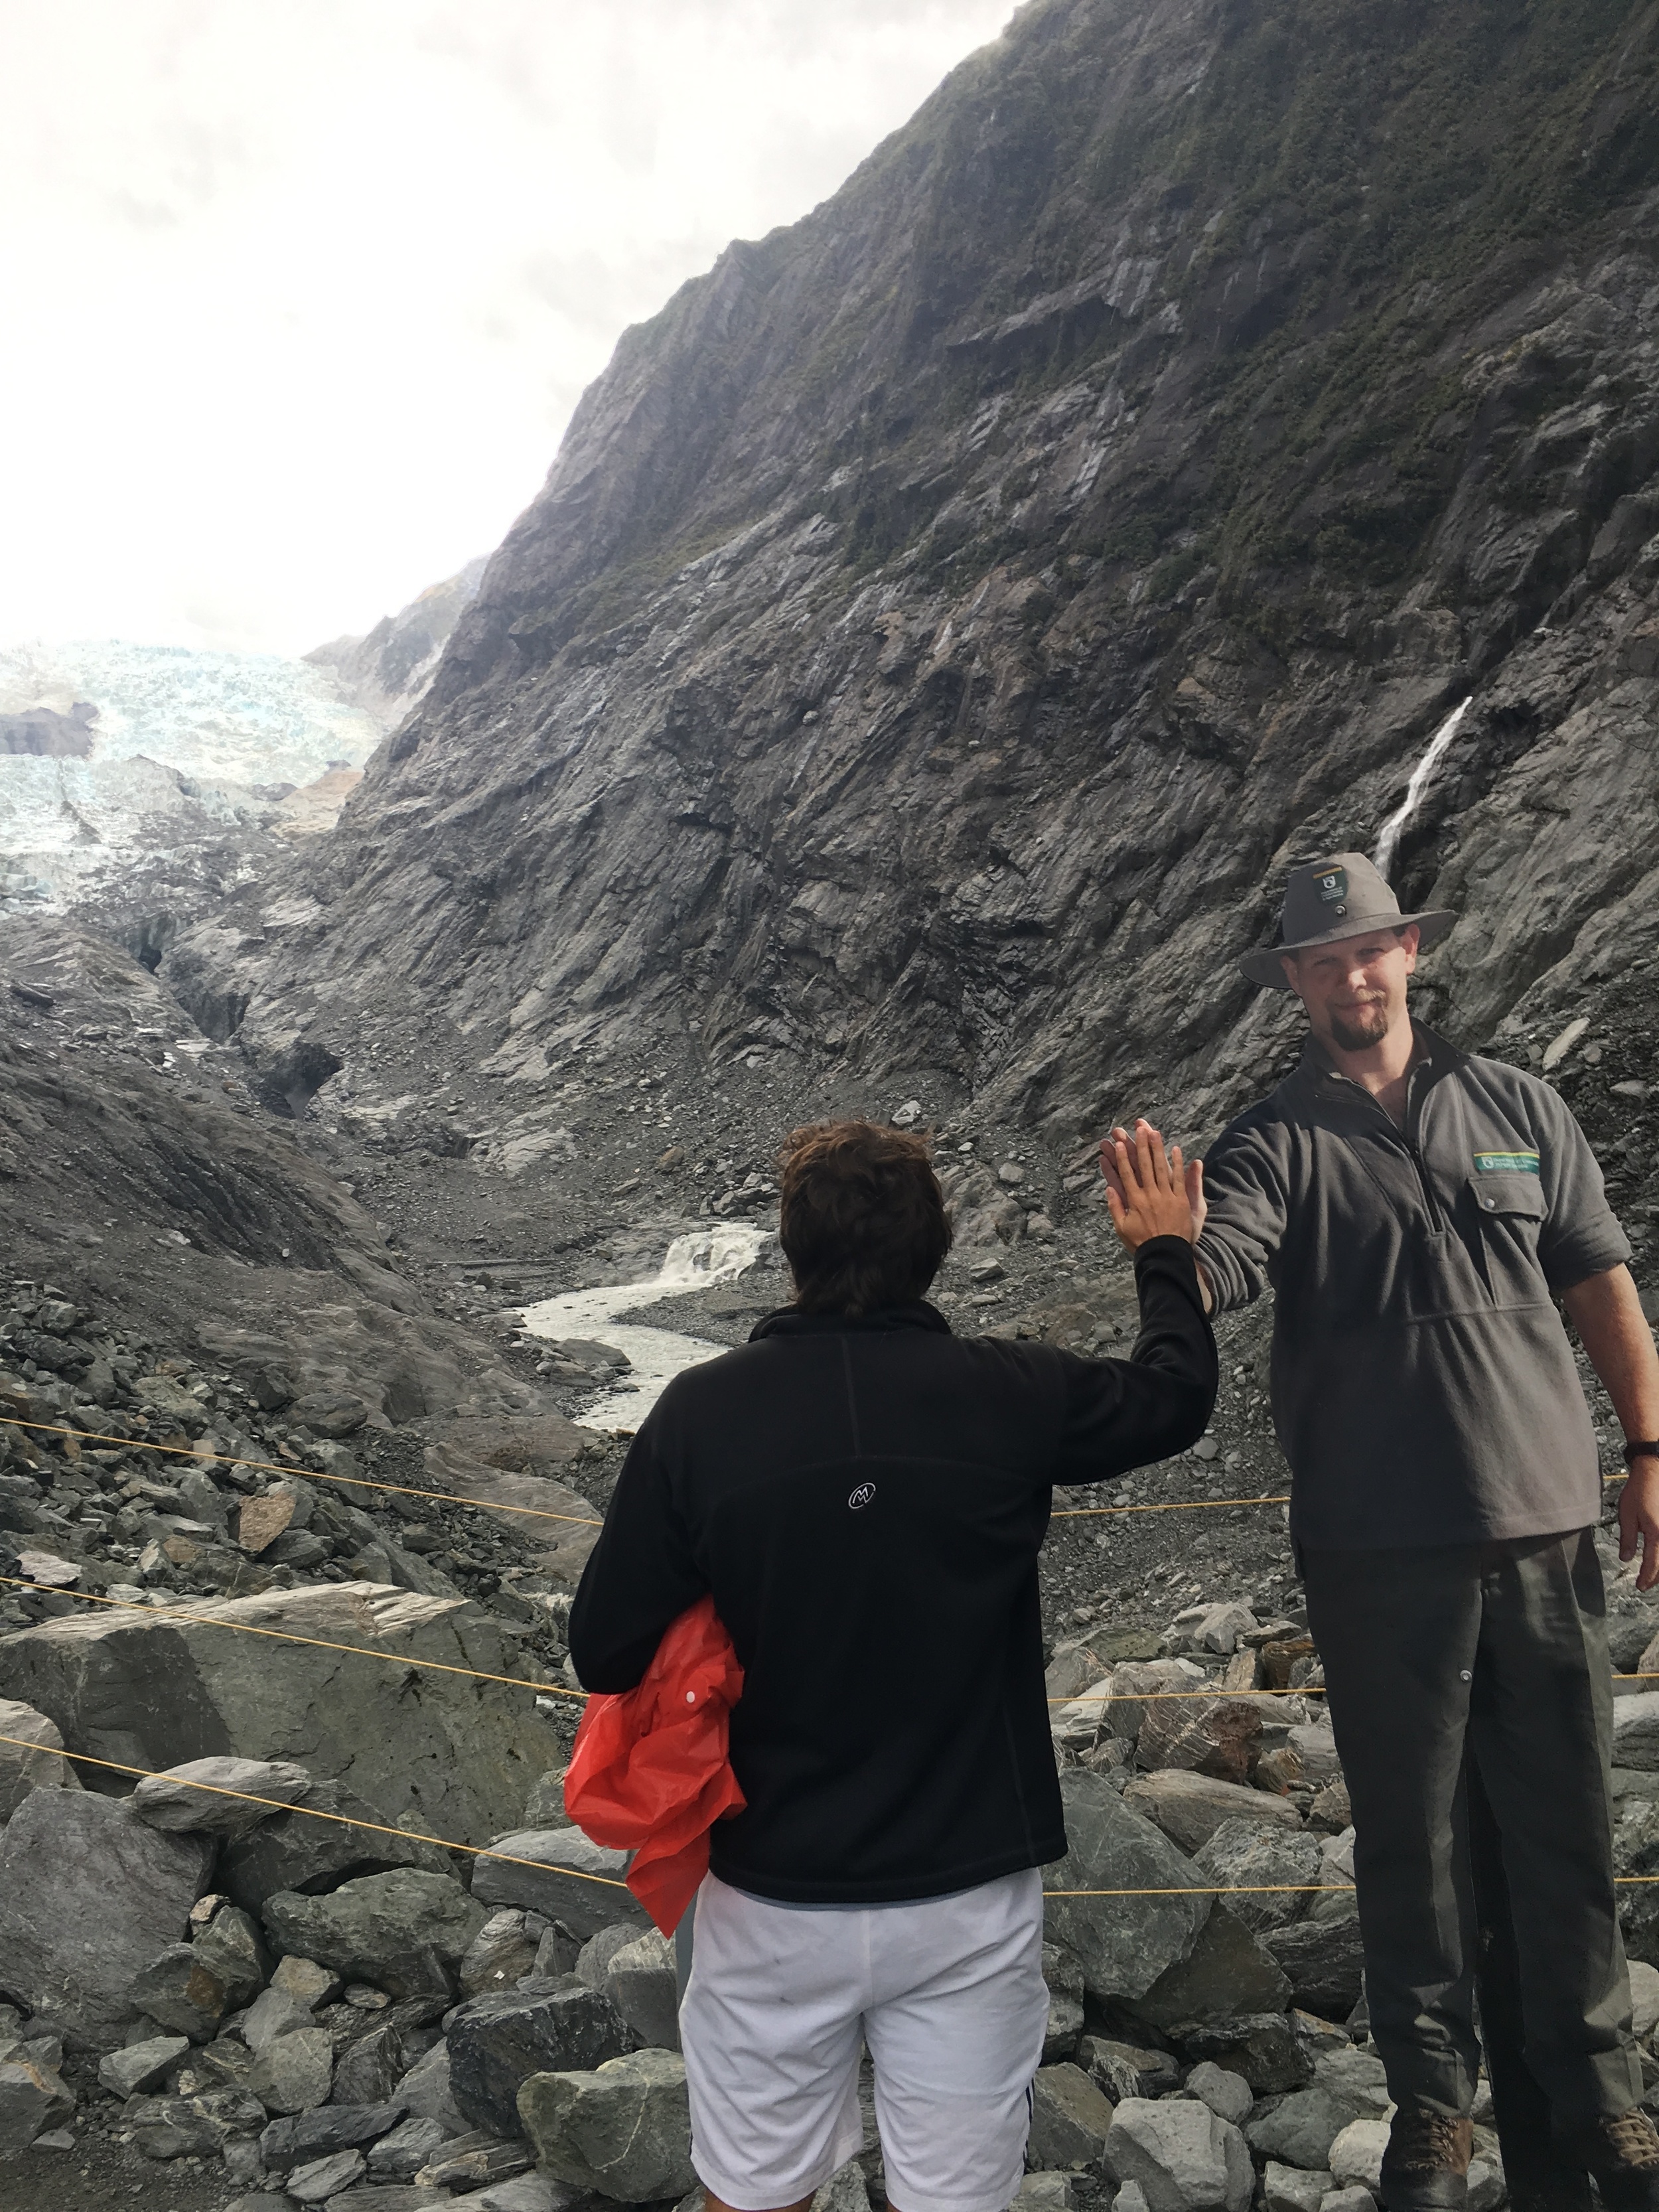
(188,749)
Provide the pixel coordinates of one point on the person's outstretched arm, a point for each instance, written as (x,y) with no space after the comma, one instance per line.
(1124,1413)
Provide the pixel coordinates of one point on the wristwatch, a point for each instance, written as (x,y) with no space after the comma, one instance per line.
(1636,1449)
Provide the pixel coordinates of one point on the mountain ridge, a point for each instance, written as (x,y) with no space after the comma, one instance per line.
(944,620)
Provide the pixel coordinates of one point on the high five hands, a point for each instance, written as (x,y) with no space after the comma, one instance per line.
(1150,1194)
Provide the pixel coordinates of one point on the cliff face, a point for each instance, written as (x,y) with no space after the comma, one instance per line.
(944,621)
(387,672)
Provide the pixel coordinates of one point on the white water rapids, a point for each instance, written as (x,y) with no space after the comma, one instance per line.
(1387,843)
(692,1263)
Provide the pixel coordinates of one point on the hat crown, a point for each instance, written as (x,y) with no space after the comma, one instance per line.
(1346,888)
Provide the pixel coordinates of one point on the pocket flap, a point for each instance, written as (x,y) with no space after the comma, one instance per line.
(1509,1191)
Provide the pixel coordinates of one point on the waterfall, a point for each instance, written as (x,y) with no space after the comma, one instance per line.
(1387,843)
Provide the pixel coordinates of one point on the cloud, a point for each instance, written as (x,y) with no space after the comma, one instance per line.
(302,295)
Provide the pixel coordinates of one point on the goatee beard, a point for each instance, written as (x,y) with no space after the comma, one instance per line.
(1368,1028)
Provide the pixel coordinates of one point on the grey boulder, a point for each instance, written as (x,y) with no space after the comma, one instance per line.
(294,2072)
(1180,2155)
(406,1931)
(88,1896)
(1226,1972)
(1262,2047)
(299,1850)
(33,1759)
(185,1795)
(274,2012)
(299,2139)
(371,2066)
(141,2066)
(1301,2129)
(641,1982)
(624,2130)
(1323,1957)
(1228,2095)
(1122,1942)
(178,1990)
(231,1947)
(156,1686)
(424,2092)
(496,2043)
(1070,2118)
(1355,2074)
(1357,2155)
(1636,1730)
(374,2196)
(530,2192)
(1354,2198)
(323,2178)
(1276,1866)
(471,2162)
(1064,1978)
(1293,2188)
(559,1874)
(32,2100)
(191,2127)
(593,1959)
(404,2150)
(1190,1807)
(500,1955)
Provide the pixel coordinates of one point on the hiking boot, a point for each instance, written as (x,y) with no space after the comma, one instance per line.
(1425,2167)
(1623,2157)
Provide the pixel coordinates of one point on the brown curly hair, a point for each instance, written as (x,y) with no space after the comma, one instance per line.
(861,1215)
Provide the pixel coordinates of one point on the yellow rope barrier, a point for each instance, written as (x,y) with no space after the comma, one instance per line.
(609,1881)
(287,1636)
(306,1473)
(313,1812)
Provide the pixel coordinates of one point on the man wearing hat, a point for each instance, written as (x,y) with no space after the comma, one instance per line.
(1418,1211)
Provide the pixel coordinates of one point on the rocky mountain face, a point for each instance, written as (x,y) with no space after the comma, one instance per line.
(944,621)
(387,672)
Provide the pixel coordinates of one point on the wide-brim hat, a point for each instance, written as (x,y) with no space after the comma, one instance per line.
(1329,900)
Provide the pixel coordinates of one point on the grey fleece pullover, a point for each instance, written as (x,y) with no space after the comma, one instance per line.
(1424,1388)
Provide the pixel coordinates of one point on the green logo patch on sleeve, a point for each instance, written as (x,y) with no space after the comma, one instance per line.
(1506,1164)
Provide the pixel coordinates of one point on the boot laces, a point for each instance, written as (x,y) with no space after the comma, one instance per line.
(1631,2138)
(1431,2141)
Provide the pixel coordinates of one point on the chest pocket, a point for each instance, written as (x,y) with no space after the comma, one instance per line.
(1516,1196)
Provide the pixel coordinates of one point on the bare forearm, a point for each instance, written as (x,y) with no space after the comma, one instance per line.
(1607,1311)
(1609,1316)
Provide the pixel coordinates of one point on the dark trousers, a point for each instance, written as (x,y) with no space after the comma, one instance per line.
(1470,1693)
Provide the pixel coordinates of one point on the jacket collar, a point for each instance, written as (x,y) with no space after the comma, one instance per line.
(787,1323)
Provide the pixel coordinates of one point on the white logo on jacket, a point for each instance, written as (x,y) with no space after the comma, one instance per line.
(862,1496)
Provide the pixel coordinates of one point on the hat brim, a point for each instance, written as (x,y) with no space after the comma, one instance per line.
(1262,966)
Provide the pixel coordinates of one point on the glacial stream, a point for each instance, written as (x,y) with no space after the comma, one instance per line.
(695,1262)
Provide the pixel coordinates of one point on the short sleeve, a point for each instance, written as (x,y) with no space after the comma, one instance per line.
(1581,1236)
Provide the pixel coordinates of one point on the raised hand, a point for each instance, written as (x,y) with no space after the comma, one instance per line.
(1150,1194)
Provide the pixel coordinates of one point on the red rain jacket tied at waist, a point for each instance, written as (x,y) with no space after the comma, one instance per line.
(650,1772)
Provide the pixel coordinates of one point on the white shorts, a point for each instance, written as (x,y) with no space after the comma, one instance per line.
(950,1997)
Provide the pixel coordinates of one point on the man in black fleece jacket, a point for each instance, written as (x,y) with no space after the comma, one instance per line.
(866,1495)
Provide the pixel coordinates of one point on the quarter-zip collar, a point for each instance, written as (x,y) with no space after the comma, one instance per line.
(1436,1058)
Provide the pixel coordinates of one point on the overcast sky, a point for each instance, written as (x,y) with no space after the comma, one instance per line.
(300,293)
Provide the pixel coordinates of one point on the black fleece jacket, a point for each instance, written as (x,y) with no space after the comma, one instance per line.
(866,1500)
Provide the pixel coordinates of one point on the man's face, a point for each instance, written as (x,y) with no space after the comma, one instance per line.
(1354,990)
